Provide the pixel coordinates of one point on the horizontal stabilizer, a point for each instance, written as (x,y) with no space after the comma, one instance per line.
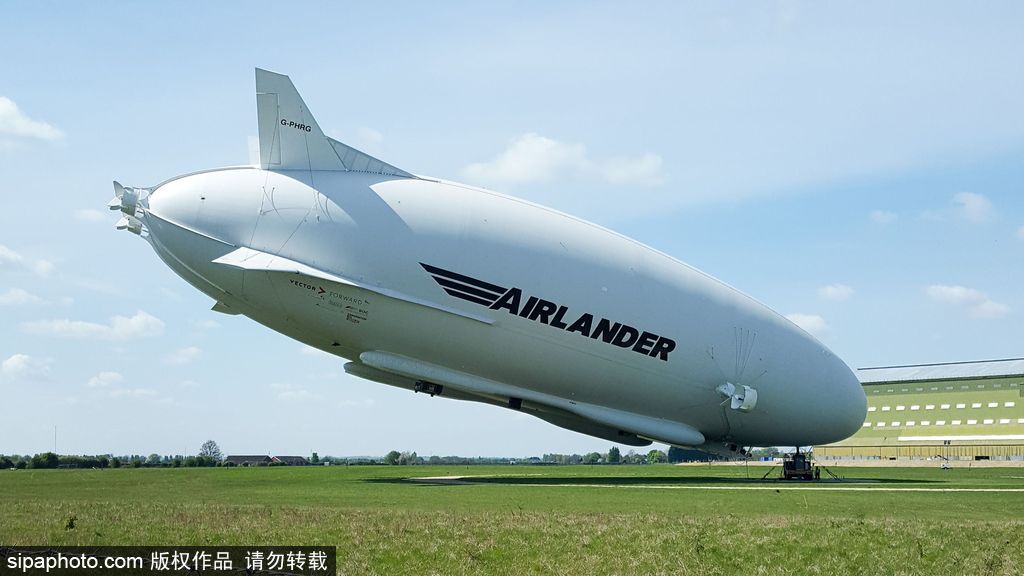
(250,259)
(291,139)
(256,260)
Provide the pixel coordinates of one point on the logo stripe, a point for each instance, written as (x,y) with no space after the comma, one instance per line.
(497,290)
(491,297)
(469,297)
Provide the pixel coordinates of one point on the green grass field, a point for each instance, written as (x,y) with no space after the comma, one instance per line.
(544,520)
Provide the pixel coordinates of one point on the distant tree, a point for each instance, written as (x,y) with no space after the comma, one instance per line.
(392,457)
(592,458)
(656,456)
(211,450)
(614,456)
(6,462)
(408,458)
(115,462)
(314,459)
(136,462)
(44,460)
(153,460)
(21,464)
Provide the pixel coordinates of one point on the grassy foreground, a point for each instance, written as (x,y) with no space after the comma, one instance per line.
(543,520)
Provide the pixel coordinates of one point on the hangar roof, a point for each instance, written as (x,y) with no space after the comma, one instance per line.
(945,371)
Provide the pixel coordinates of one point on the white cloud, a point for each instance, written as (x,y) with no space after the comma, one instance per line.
(837,292)
(16,296)
(25,367)
(105,379)
(972,207)
(812,323)
(90,215)
(141,324)
(8,256)
(206,324)
(132,393)
(292,392)
(535,158)
(977,302)
(14,122)
(883,217)
(182,356)
(39,267)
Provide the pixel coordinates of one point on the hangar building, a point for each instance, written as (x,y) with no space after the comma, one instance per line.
(958,411)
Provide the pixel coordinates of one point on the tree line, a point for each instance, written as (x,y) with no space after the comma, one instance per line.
(210,455)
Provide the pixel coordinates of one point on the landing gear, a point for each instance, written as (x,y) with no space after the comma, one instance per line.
(796,466)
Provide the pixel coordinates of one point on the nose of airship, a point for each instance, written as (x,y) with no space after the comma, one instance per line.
(844,406)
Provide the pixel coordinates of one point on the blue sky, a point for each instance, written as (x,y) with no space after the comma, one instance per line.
(856,167)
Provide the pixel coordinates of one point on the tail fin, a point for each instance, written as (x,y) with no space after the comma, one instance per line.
(290,138)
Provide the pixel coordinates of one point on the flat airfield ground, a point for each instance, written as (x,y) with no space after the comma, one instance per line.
(658,519)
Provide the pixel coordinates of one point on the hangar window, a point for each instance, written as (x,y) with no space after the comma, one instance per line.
(872,408)
(900,408)
(940,422)
(976,405)
(949,387)
(929,407)
(965,387)
(1004,420)
(956,422)
(889,390)
(911,422)
(944,407)
(933,388)
(926,422)
(972,422)
(959,406)
(987,421)
(885,408)
(1009,404)
(1020,420)
(993,404)
(880,424)
(866,425)
(980,386)
(919,389)
(997,385)
(904,389)
(895,424)
(915,407)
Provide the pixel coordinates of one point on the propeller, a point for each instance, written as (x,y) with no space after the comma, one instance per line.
(126,200)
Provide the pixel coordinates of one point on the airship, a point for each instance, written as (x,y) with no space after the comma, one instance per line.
(459,292)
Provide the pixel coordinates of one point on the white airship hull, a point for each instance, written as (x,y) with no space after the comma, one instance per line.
(422,282)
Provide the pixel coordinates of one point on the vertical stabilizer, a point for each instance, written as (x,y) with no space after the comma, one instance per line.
(291,139)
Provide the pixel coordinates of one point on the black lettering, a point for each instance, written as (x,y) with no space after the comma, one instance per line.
(556,322)
(582,325)
(606,330)
(509,300)
(530,303)
(284,122)
(626,336)
(643,344)
(662,347)
(543,311)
